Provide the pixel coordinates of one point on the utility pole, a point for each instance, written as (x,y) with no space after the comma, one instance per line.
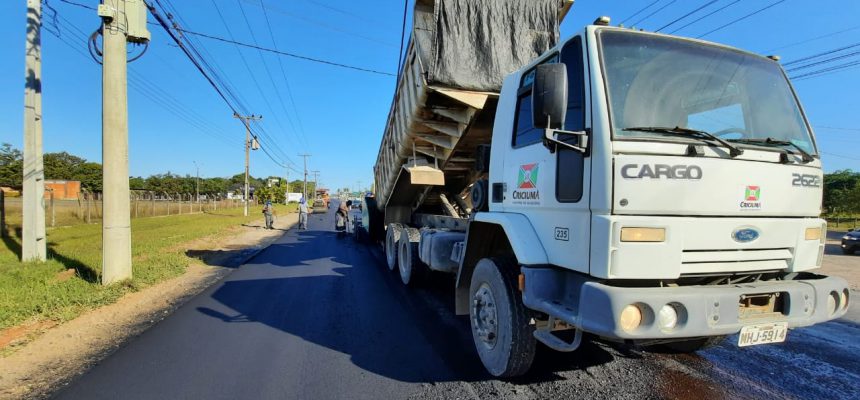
(33,246)
(248,145)
(305,187)
(123,21)
(316,181)
(197,181)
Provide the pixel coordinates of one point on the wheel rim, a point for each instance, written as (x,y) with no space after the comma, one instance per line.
(484,317)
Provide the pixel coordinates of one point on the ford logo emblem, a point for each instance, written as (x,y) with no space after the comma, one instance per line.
(745,235)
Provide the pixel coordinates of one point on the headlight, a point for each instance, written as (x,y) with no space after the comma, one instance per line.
(813,233)
(631,317)
(643,234)
(667,318)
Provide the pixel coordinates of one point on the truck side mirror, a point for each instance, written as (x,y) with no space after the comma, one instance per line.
(549,96)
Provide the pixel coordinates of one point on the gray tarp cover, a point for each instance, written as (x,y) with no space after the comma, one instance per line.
(475,43)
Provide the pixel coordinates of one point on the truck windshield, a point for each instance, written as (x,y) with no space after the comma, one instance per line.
(656,81)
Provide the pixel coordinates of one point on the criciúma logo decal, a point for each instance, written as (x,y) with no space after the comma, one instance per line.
(751,200)
(527,192)
(528,176)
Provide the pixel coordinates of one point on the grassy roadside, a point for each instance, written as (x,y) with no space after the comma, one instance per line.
(47,291)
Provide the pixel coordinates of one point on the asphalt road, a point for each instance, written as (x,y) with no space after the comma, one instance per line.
(317,316)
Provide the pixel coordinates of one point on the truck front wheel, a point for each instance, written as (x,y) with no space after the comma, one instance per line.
(501,324)
(392,235)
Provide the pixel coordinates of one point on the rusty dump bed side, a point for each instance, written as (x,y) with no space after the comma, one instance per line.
(443,109)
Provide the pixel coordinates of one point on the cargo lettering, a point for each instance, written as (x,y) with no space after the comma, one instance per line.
(658,171)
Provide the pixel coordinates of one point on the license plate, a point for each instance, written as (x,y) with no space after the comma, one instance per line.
(763,333)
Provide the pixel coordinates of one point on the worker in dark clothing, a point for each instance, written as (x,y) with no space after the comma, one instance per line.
(267,212)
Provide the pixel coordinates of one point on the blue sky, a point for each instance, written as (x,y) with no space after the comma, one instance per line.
(337,114)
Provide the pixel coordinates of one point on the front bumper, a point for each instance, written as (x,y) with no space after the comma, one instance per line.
(709,310)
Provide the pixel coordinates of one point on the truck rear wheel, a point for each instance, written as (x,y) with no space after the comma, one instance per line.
(501,327)
(392,236)
(412,270)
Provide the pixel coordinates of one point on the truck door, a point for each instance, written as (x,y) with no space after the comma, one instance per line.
(552,188)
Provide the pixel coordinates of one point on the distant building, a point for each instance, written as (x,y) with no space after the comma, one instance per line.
(62,189)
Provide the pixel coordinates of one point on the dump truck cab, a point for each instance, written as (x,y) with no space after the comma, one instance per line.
(636,186)
(670,190)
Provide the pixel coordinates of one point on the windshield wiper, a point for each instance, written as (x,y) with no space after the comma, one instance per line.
(804,156)
(734,151)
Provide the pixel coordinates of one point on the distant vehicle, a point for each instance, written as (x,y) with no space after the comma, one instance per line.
(319,206)
(851,242)
(294,197)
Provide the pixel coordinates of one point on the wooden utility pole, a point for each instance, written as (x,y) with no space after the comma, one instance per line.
(33,246)
(248,143)
(305,187)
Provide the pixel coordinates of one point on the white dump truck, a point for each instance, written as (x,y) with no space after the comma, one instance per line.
(639,187)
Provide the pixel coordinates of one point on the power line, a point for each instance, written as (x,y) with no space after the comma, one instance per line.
(148,89)
(284,75)
(320,24)
(402,35)
(824,61)
(706,16)
(838,128)
(640,10)
(740,19)
(686,15)
(812,39)
(824,53)
(827,71)
(271,79)
(655,12)
(317,60)
(78,4)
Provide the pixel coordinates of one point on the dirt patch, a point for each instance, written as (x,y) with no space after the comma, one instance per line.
(49,357)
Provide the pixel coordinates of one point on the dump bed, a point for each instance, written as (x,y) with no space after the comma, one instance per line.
(444,105)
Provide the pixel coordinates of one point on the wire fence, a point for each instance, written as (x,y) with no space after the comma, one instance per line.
(842,222)
(87,208)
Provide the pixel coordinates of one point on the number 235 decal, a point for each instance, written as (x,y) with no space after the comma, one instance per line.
(562,234)
(805,180)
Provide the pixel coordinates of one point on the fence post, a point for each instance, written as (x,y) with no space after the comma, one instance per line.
(136,203)
(89,207)
(53,212)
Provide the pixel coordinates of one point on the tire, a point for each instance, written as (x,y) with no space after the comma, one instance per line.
(412,270)
(392,236)
(691,346)
(848,251)
(506,348)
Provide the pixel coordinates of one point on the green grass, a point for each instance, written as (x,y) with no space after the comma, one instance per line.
(32,292)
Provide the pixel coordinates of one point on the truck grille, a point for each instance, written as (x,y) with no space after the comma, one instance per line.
(734,260)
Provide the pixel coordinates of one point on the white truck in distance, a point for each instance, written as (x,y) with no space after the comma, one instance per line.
(636,186)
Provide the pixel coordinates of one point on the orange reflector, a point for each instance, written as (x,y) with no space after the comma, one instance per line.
(522,282)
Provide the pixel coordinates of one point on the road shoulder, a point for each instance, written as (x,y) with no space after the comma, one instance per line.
(57,354)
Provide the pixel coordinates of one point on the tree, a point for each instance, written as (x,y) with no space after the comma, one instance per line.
(11,166)
(842,192)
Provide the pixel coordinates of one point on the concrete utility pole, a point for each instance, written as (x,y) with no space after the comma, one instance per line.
(305,187)
(197,181)
(316,181)
(245,120)
(33,246)
(116,226)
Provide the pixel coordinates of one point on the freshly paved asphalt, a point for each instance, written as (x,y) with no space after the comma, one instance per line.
(315,316)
